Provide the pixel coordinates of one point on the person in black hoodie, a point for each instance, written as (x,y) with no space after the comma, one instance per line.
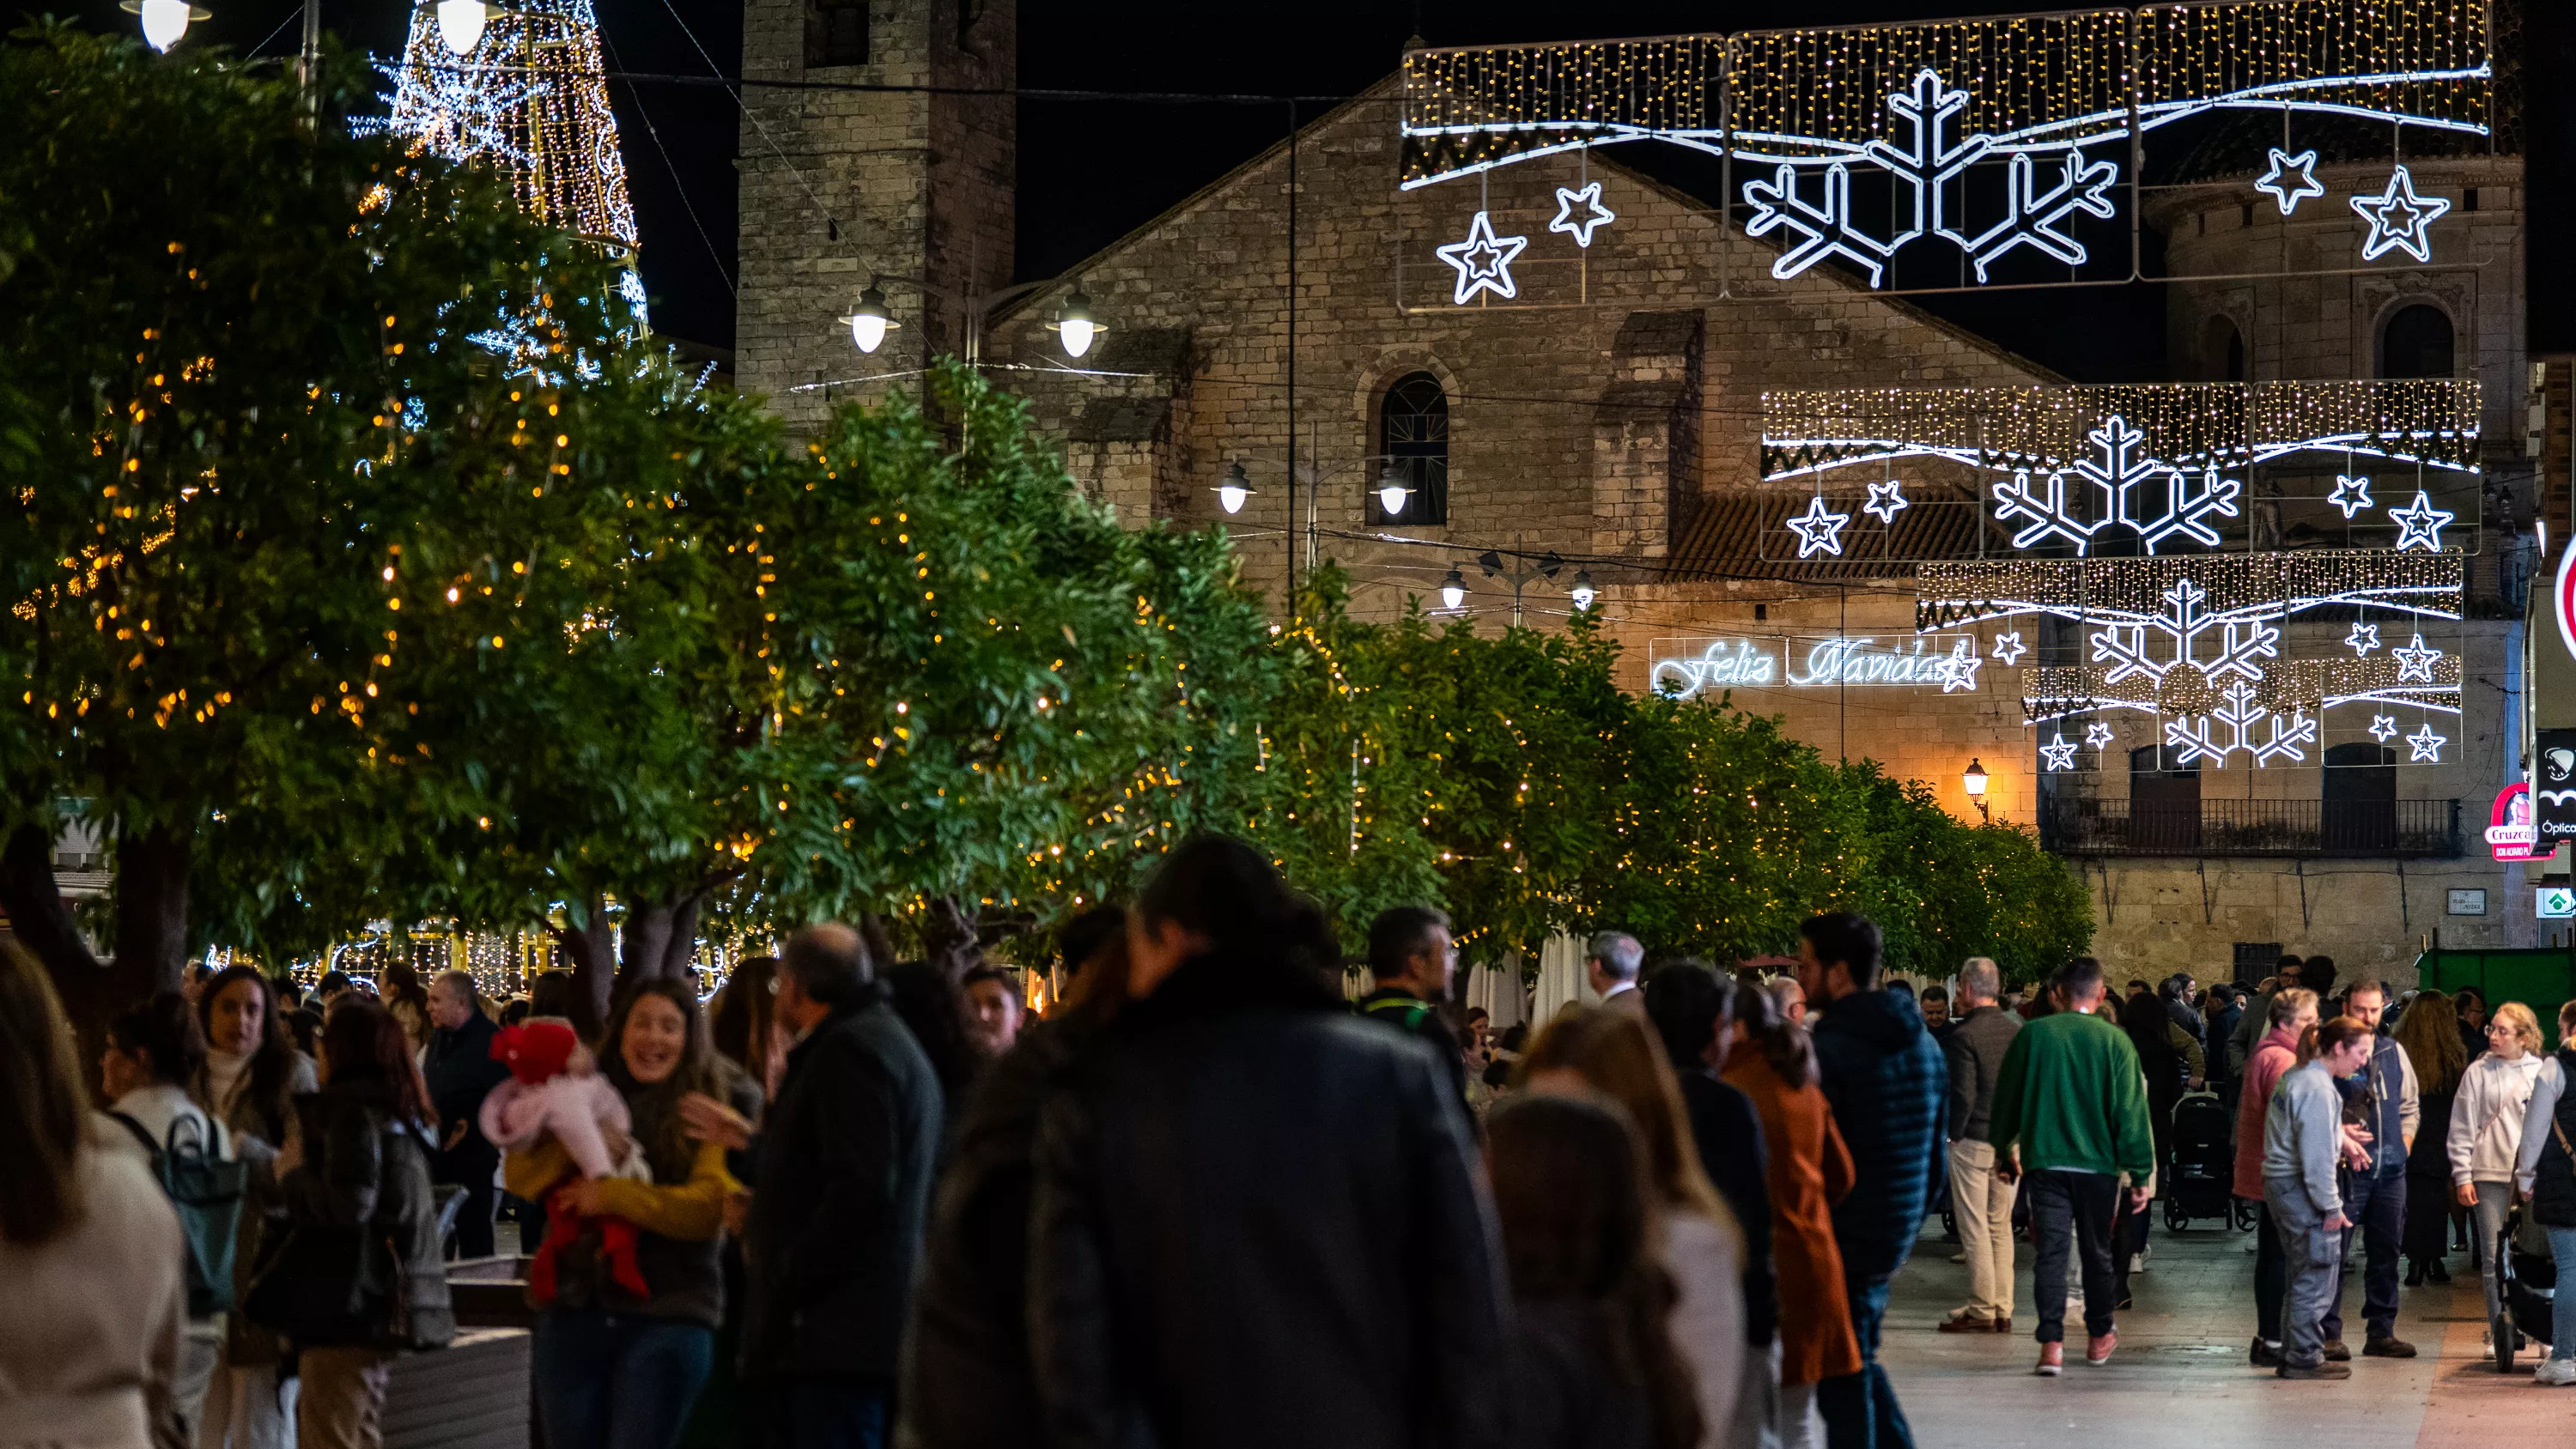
(842,1170)
(1887,1085)
(1692,1010)
(1258,1219)
(460,1071)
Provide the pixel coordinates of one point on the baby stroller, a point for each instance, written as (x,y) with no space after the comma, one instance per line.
(2526,1284)
(2201,1183)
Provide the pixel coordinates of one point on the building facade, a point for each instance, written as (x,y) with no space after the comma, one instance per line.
(1297,320)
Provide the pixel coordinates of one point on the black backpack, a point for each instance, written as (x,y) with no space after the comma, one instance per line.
(206,1190)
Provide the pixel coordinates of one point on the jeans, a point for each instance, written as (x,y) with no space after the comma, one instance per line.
(618,1381)
(2071,1209)
(2562,1308)
(2314,1260)
(1860,1410)
(2377,1204)
(2271,1276)
(1983,1203)
(2495,1203)
(816,1414)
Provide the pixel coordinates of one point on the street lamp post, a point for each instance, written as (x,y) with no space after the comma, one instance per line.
(1975,783)
(1546,568)
(1394,494)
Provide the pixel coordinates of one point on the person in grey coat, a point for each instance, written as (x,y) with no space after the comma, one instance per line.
(1983,1202)
(2302,1139)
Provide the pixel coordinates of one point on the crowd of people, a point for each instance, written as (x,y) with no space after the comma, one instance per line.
(1205,1198)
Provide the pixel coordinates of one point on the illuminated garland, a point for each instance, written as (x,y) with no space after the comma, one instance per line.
(2032,82)
(2431,421)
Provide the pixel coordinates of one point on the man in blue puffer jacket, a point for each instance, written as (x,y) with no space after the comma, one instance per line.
(1885,1080)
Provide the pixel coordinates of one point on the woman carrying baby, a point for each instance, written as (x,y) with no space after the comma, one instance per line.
(615,1368)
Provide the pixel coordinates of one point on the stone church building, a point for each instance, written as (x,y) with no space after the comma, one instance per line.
(1296,320)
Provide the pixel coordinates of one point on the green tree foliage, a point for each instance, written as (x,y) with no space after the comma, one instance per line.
(219,325)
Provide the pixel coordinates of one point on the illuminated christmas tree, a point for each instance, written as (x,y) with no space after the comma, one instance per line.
(522,89)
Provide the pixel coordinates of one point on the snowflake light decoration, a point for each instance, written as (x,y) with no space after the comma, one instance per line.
(2399,219)
(2427,746)
(1594,213)
(1484,261)
(1819,529)
(2197,738)
(2365,637)
(2351,494)
(2121,478)
(1886,500)
(2290,178)
(2059,753)
(2420,524)
(2009,649)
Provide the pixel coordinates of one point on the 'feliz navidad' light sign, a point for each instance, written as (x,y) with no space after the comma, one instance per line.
(1683,668)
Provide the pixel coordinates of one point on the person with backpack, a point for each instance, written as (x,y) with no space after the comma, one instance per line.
(1413,958)
(250,1079)
(359,1276)
(153,1052)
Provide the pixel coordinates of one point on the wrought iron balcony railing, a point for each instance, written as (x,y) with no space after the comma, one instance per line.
(2411,829)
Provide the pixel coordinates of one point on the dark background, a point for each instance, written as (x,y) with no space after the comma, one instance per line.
(1092,170)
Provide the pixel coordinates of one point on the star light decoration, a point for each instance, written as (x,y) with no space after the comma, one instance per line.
(2351,494)
(2365,637)
(2290,179)
(2059,752)
(2415,662)
(2009,649)
(1819,529)
(2419,525)
(1959,671)
(1484,261)
(2425,744)
(2097,735)
(2382,727)
(1594,214)
(2399,219)
(1886,500)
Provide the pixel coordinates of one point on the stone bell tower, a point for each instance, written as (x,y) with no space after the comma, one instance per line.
(838,186)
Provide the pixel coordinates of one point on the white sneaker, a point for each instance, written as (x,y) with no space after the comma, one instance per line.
(2555,1372)
(2137,1263)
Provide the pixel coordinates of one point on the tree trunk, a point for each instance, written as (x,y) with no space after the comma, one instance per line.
(660,940)
(593,968)
(948,937)
(151,921)
(879,941)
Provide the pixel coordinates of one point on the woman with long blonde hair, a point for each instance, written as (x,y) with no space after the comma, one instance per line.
(1613,1054)
(2486,1126)
(2428,1032)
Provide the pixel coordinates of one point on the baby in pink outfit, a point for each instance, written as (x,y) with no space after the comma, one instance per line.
(555,1090)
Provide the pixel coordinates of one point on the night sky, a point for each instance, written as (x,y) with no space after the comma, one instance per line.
(1092,170)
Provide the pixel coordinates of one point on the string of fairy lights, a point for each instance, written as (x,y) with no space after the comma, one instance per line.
(2432,421)
(2030,81)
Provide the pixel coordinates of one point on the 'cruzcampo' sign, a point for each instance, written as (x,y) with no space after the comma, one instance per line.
(1686,667)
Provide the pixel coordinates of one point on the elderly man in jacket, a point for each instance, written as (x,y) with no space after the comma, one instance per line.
(2070,1113)
(1983,1201)
(1887,1085)
(843,1168)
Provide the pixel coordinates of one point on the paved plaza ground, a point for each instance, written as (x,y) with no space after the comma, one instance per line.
(2180,1379)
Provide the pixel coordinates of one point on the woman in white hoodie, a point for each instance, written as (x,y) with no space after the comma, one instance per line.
(2486,1126)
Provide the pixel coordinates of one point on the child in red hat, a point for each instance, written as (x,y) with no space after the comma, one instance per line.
(555,1090)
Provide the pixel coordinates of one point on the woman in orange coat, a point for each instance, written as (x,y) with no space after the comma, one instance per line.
(1771,1061)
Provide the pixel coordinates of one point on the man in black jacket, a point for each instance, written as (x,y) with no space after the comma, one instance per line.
(460,1073)
(1888,1086)
(843,1173)
(1259,1221)
(1413,960)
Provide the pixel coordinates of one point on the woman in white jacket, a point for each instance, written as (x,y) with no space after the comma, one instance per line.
(2486,1126)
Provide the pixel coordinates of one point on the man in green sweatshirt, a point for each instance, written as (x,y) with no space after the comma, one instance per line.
(2070,1116)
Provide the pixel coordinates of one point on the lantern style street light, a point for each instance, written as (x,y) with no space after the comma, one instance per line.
(868,321)
(1453,591)
(165,21)
(460,24)
(1975,782)
(1236,488)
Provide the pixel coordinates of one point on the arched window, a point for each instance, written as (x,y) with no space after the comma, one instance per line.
(1413,434)
(836,32)
(2416,342)
(2222,351)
